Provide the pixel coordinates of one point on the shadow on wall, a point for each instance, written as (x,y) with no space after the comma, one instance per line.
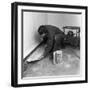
(37,37)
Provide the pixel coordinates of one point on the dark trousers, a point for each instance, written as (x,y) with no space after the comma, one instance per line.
(58,43)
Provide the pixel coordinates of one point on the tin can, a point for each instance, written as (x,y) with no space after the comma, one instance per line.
(57,57)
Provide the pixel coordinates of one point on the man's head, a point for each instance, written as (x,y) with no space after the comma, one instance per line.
(43,32)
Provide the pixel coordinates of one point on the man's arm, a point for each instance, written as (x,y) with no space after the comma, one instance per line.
(49,46)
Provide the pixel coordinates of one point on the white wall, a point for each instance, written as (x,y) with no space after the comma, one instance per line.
(32,21)
(61,20)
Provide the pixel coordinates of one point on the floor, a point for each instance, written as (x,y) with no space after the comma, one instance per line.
(70,65)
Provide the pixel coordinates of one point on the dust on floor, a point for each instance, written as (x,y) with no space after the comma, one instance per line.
(70,65)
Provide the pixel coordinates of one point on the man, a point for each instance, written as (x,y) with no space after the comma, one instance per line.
(53,38)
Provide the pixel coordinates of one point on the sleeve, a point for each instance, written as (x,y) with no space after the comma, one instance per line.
(48,47)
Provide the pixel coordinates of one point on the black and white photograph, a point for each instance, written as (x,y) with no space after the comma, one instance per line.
(49,44)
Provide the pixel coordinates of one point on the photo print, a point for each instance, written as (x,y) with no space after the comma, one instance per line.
(49,44)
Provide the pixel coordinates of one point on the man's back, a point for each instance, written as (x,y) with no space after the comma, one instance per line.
(53,29)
